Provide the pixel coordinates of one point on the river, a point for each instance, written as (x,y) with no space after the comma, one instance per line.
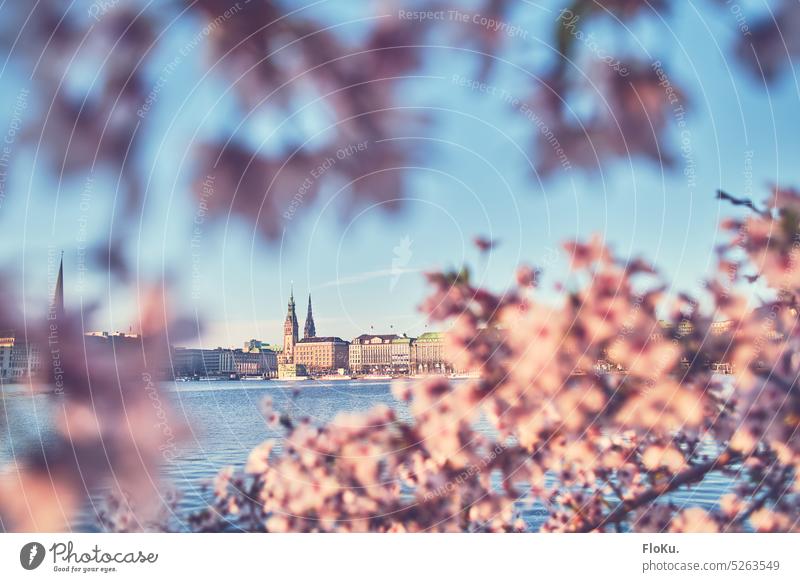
(225,422)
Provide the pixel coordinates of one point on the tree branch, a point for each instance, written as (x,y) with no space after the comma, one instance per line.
(757,504)
(722,195)
(691,475)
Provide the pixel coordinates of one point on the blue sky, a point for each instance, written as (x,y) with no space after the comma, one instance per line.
(475,179)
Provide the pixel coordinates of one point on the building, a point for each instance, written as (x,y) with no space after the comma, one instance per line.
(427,354)
(721,327)
(369,353)
(396,355)
(205,363)
(290,371)
(667,330)
(26,360)
(401,354)
(18,359)
(268,355)
(354,356)
(322,355)
(312,354)
(196,362)
(112,336)
(253,363)
(253,345)
(7,340)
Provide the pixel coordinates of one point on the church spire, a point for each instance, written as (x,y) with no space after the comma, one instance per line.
(310,330)
(58,294)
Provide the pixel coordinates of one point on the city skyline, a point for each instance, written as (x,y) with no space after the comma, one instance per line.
(266,330)
(57,304)
(484,187)
(314,356)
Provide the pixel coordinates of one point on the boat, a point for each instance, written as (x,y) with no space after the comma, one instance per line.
(376,377)
(334,377)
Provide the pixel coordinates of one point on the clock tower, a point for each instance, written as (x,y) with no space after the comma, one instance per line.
(290,332)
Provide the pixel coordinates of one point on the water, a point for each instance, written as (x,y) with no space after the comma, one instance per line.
(225,422)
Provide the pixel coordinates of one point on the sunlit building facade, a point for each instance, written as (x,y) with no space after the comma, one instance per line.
(401,354)
(18,359)
(427,354)
(371,353)
(322,355)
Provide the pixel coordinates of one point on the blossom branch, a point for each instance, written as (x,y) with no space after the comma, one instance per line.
(688,477)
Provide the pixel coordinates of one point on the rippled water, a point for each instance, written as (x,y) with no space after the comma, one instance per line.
(225,421)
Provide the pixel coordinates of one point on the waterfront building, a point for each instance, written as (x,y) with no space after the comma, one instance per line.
(253,345)
(354,356)
(371,353)
(290,371)
(6,345)
(322,355)
(253,363)
(401,354)
(721,327)
(667,330)
(268,352)
(111,336)
(196,362)
(25,359)
(427,354)
(19,360)
(219,362)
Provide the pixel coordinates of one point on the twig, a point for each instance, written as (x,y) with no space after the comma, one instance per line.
(691,475)
(722,195)
(757,504)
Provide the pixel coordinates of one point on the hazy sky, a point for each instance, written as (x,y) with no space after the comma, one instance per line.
(474,179)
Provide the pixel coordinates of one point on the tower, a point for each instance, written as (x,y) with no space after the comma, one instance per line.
(290,332)
(309,330)
(58,294)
